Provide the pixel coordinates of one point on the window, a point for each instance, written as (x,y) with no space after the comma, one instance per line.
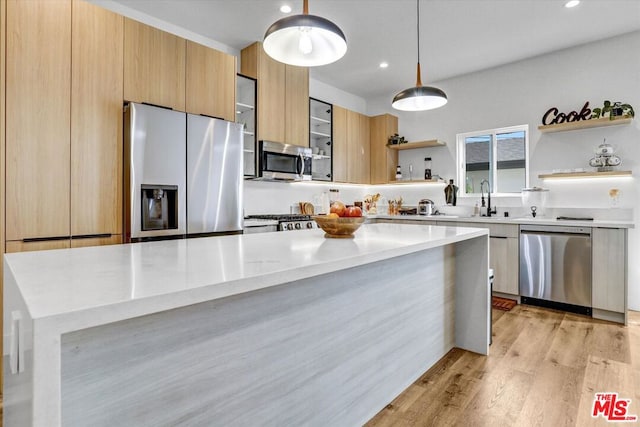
(499,156)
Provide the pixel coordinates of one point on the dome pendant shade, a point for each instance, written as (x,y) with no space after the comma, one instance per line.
(419,98)
(305,40)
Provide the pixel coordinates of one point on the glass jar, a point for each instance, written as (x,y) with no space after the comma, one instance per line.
(334,195)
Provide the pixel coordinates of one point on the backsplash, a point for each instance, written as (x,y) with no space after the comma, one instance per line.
(565,198)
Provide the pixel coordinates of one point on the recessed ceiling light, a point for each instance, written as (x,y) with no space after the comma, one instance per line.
(572,3)
(384,64)
(285,8)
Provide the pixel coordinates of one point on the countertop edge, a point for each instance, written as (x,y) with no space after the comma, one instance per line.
(97,315)
(508,220)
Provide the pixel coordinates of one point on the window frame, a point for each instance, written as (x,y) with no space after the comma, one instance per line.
(461,158)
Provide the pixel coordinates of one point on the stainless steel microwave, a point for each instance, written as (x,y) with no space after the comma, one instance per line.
(285,162)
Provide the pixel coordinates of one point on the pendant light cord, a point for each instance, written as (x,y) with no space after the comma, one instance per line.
(418,29)
(418,71)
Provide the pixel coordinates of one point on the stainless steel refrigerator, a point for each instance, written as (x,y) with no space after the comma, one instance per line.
(214,175)
(183,174)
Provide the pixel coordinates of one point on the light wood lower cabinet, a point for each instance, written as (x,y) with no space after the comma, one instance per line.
(154,66)
(96,120)
(504,260)
(96,241)
(211,82)
(609,269)
(38,245)
(504,253)
(38,86)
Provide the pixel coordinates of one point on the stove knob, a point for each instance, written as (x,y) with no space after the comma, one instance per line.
(298,226)
(289,226)
(310,224)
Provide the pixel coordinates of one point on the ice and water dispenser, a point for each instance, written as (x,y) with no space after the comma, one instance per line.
(159,207)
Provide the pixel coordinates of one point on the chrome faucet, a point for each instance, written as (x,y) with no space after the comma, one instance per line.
(488,205)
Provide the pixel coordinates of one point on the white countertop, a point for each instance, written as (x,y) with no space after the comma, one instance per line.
(85,287)
(511,220)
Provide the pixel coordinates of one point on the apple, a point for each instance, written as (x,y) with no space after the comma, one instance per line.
(338,207)
(353,211)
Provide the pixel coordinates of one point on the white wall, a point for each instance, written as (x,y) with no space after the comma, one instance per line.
(265,197)
(520,93)
(332,95)
(164,26)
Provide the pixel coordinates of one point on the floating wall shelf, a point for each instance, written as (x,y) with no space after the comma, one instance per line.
(610,174)
(419,144)
(418,181)
(584,124)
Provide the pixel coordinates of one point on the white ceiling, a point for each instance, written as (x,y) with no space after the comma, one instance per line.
(457,36)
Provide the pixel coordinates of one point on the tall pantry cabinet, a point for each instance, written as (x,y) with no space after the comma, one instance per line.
(38,139)
(96,124)
(63,125)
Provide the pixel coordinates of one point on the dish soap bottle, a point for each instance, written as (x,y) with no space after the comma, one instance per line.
(476,210)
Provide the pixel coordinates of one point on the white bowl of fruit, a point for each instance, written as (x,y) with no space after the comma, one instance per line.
(341,222)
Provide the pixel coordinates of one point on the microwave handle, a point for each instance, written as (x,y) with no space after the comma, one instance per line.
(301,167)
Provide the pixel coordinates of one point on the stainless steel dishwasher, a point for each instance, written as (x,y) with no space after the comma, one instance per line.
(555,267)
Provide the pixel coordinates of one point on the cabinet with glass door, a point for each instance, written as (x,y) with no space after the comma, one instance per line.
(320,139)
(246,114)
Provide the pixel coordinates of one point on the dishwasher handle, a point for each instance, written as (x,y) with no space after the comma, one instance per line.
(551,230)
(556,233)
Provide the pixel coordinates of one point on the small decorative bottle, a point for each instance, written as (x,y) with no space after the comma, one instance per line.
(398,173)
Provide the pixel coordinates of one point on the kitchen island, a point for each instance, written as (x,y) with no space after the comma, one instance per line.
(283,328)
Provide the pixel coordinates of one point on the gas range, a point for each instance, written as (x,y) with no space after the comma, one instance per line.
(288,222)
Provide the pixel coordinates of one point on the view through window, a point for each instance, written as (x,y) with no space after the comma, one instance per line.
(499,156)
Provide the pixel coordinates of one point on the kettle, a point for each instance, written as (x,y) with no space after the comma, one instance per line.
(426,207)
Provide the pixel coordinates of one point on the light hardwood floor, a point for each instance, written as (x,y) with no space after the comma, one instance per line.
(543,370)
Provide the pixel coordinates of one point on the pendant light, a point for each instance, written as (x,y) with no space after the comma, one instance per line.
(419,98)
(305,40)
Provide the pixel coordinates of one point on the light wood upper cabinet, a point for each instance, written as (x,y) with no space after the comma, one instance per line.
(364,148)
(270,75)
(96,120)
(38,86)
(339,154)
(351,150)
(296,105)
(211,82)
(154,66)
(383,160)
(358,150)
(283,97)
